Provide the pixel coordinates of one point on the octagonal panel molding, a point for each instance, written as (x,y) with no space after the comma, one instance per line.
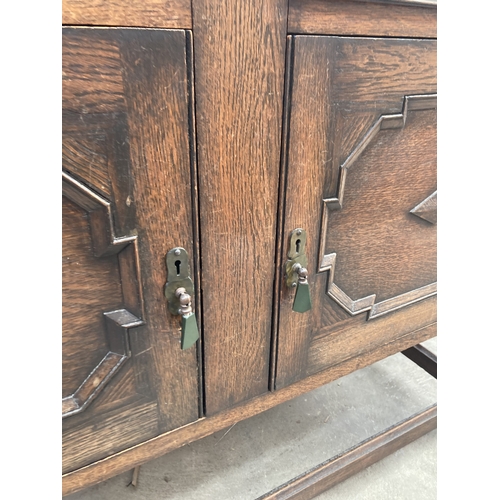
(118,322)
(425,210)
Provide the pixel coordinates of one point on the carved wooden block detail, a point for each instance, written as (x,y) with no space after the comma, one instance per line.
(425,210)
(106,244)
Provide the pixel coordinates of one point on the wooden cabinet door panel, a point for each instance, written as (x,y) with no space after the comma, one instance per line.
(127,200)
(361,180)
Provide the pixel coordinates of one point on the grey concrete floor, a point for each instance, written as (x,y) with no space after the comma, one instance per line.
(254,456)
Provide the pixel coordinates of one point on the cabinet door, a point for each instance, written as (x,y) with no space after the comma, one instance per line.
(127,200)
(361,182)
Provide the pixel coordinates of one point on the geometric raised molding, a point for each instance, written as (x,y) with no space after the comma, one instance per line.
(118,322)
(426,210)
(117,325)
(104,240)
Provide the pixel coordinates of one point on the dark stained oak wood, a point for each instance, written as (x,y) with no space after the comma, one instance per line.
(396,245)
(276,124)
(338,469)
(146,13)
(367,18)
(86,159)
(339,89)
(391,219)
(354,336)
(91,282)
(161,168)
(122,427)
(93,384)
(118,324)
(90,286)
(127,145)
(239,66)
(92,77)
(156,447)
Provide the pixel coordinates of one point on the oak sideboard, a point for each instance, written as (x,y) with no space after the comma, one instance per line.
(249,211)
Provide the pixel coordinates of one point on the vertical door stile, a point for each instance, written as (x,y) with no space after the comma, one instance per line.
(239,55)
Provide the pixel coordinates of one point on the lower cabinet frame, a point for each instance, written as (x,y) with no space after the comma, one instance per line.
(402,433)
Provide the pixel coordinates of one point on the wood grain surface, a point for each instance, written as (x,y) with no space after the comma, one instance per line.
(368,18)
(90,287)
(376,235)
(91,70)
(86,158)
(339,87)
(239,66)
(110,434)
(161,169)
(146,13)
(354,336)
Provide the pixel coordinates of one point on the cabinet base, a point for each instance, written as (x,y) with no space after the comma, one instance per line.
(160,445)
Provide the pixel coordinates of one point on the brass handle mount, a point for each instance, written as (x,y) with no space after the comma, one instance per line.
(296,271)
(179,291)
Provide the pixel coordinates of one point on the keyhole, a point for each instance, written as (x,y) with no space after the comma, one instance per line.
(178,266)
(297,246)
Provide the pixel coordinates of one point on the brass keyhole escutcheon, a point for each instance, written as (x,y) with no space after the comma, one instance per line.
(296,271)
(179,291)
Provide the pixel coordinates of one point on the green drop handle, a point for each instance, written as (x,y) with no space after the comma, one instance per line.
(302,301)
(189,334)
(189,329)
